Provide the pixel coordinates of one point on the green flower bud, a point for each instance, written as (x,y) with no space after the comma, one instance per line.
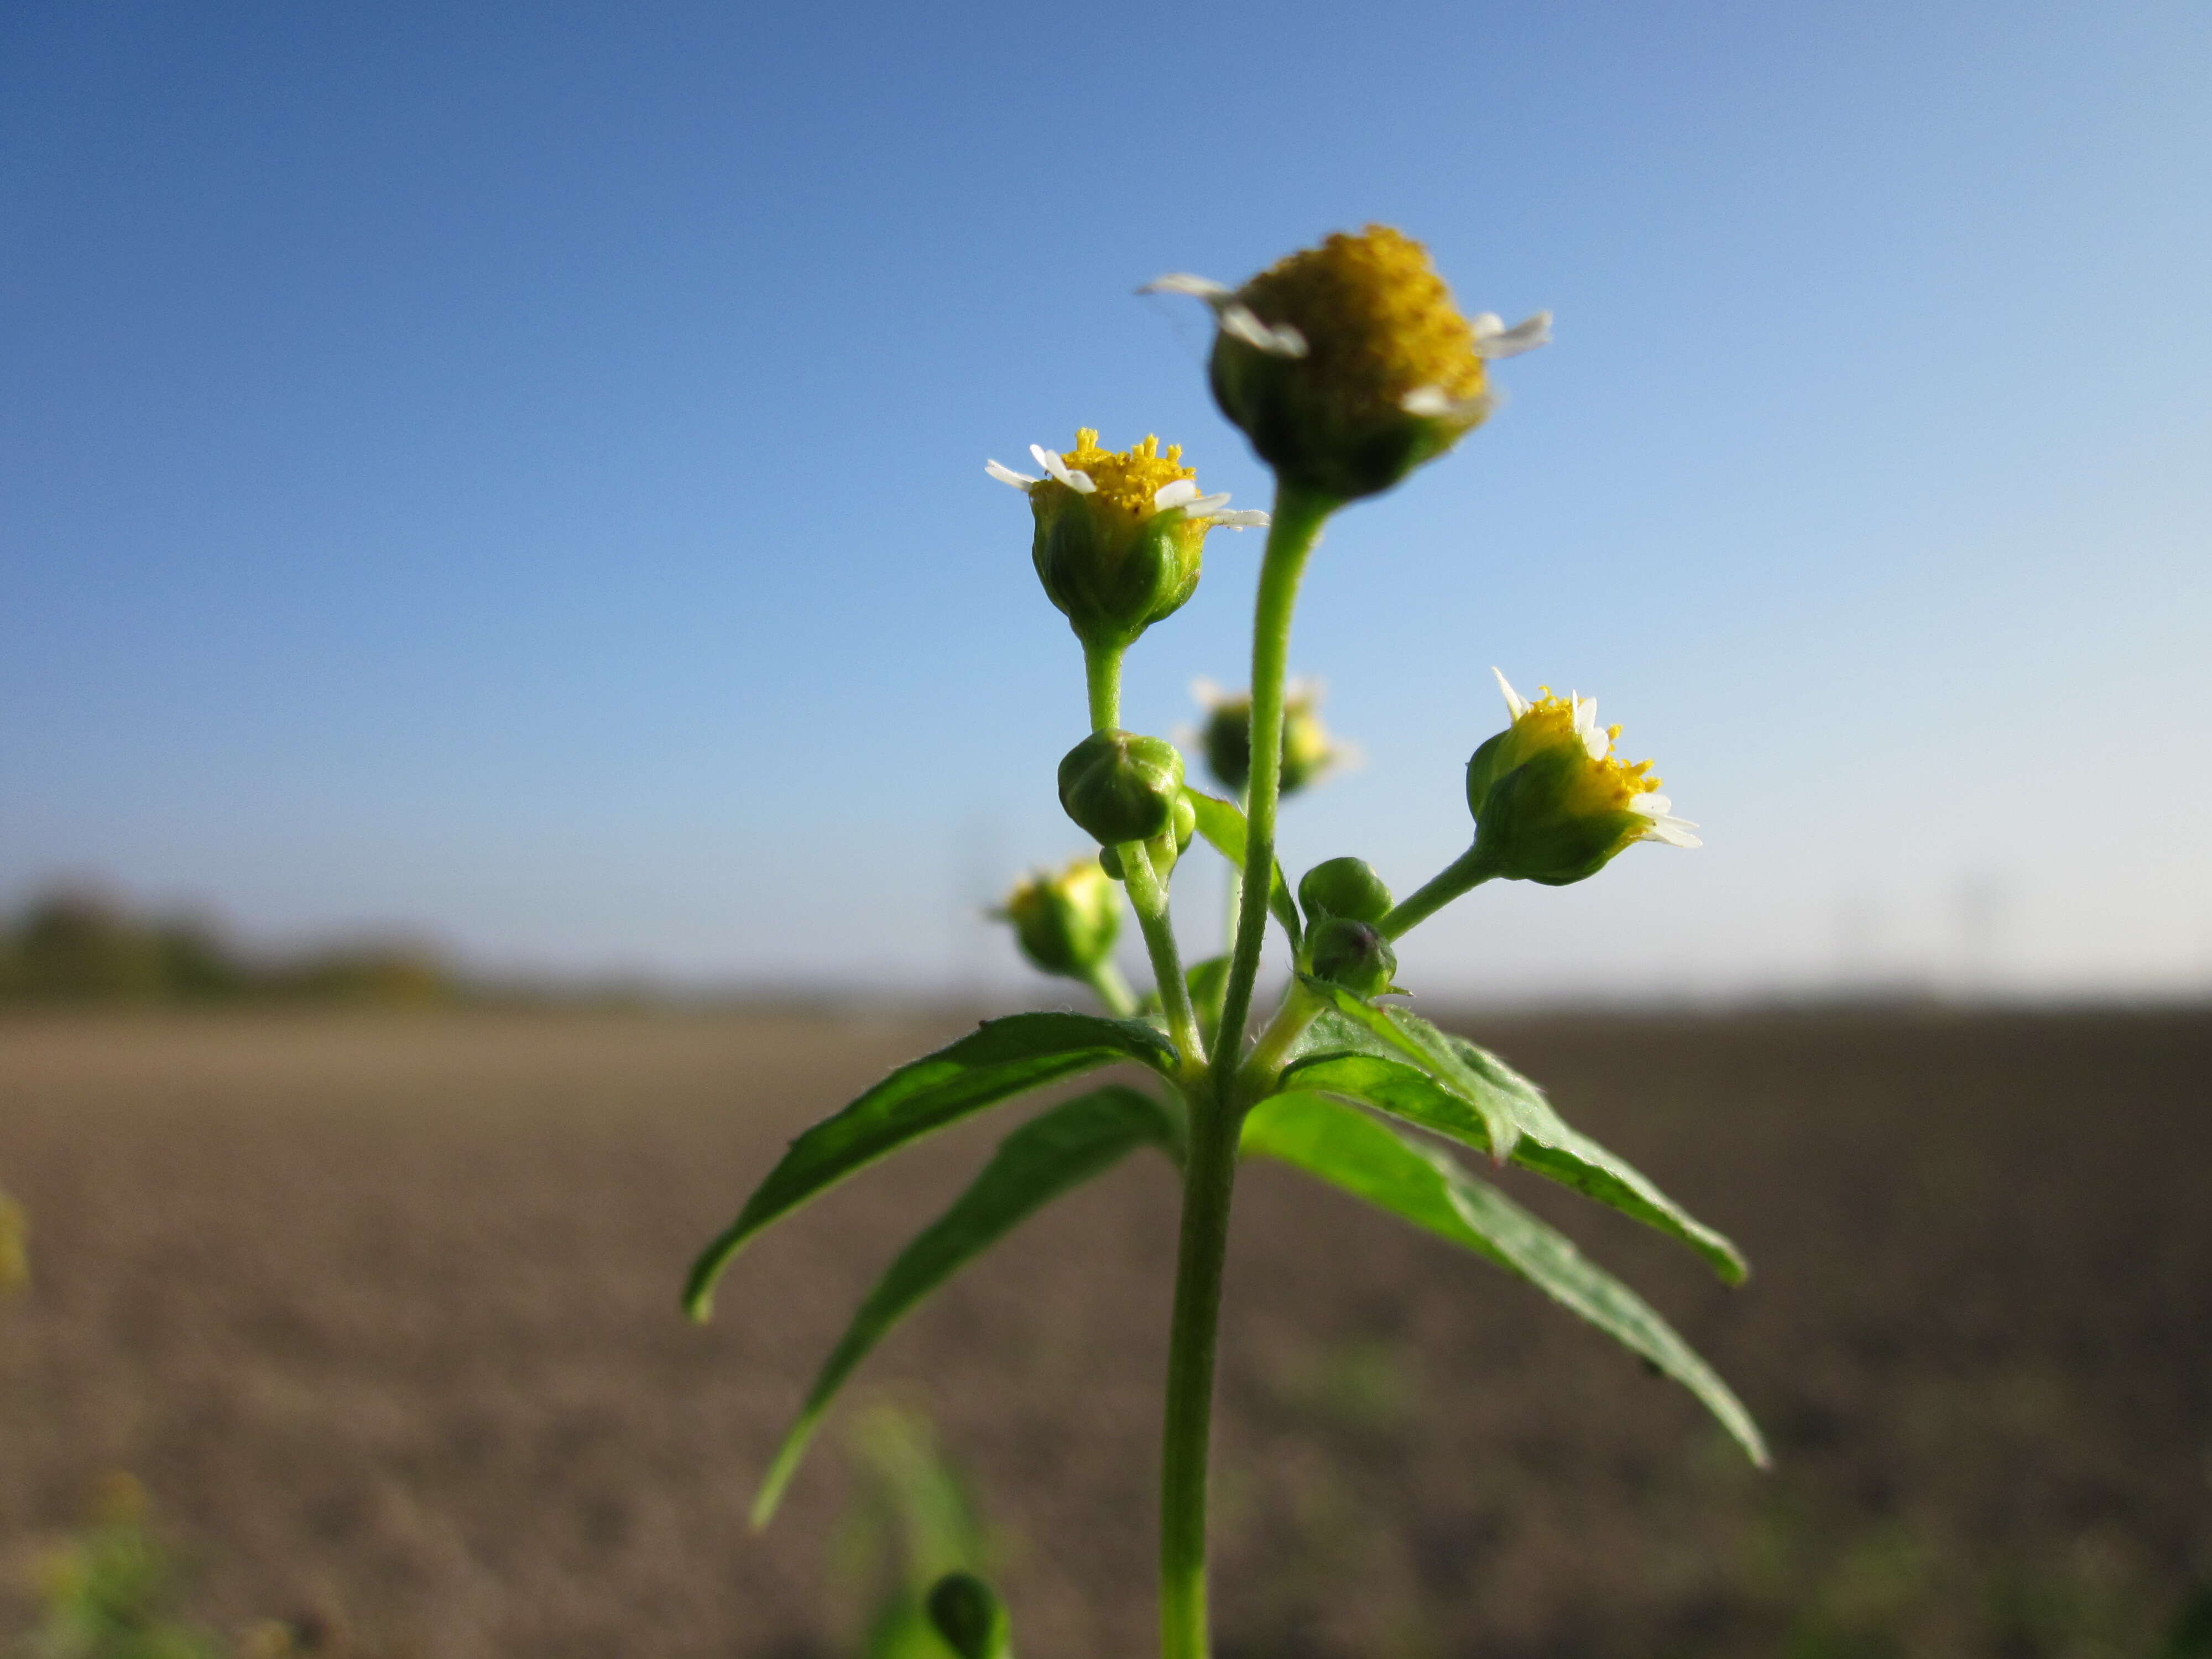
(969,1617)
(1309,752)
(1162,850)
(1344,887)
(1119,534)
(1120,786)
(1352,954)
(1553,803)
(1065,923)
(1348,365)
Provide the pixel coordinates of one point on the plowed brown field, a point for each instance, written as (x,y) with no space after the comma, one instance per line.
(381,1310)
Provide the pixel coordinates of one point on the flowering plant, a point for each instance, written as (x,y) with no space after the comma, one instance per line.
(1347,366)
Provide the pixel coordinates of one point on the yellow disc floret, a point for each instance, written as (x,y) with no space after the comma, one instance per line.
(1127,479)
(1604,782)
(1378,322)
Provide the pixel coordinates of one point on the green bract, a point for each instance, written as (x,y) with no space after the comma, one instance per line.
(1351,953)
(1119,787)
(1164,848)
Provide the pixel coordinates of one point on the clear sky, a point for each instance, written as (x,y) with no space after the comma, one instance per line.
(515,473)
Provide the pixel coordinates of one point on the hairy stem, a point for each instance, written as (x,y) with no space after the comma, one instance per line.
(1148,898)
(1210,1176)
(1460,875)
(1101,678)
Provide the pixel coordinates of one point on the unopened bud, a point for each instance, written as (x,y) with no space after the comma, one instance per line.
(1308,751)
(1162,850)
(1350,954)
(969,1616)
(1344,887)
(1120,786)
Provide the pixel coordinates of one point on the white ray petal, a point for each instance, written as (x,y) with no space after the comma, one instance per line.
(1651,805)
(1007,475)
(1181,282)
(1206,507)
(1494,340)
(1242,322)
(1180,493)
(1435,403)
(1077,481)
(1585,714)
(1675,831)
(1249,518)
(1516,704)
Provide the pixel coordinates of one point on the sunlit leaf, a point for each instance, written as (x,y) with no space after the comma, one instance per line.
(1546,1146)
(1060,1149)
(1001,1058)
(1411,1040)
(1420,1183)
(1223,826)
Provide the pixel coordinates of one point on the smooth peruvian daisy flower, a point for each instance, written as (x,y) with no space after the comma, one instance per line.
(1119,532)
(1349,364)
(1551,801)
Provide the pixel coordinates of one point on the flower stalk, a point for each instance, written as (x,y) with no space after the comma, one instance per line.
(1217,1111)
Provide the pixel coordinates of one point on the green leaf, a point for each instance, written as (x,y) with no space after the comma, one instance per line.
(1047,1156)
(1223,826)
(1420,1183)
(1411,1040)
(999,1059)
(1546,1146)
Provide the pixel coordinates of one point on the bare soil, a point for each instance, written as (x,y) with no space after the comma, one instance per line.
(381,1310)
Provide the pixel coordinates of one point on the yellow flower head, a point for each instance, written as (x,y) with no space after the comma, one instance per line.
(1065,921)
(1119,533)
(1553,803)
(1349,364)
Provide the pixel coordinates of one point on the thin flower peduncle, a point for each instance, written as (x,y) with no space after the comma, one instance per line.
(1107,984)
(1210,1173)
(1101,678)
(1148,898)
(1297,521)
(1463,874)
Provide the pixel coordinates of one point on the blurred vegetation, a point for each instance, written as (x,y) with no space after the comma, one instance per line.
(82,948)
(109,1592)
(912,1524)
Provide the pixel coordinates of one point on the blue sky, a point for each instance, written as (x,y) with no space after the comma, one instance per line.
(515,473)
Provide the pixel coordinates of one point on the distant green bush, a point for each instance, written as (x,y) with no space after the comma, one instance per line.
(80,948)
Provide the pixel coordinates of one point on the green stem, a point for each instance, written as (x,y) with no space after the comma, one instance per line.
(1148,898)
(1107,984)
(1101,678)
(1292,1015)
(1458,877)
(1210,1176)
(1297,527)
